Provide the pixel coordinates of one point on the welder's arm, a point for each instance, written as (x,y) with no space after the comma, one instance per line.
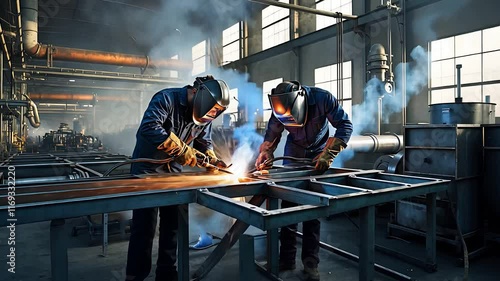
(269,145)
(183,153)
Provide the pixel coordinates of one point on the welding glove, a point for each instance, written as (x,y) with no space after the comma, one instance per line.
(265,157)
(212,158)
(325,159)
(183,153)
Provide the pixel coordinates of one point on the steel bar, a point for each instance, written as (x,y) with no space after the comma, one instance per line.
(58,250)
(105,218)
(183,242)
(272,242)
(366,243)
(430,237)
(238,228)
(382,269)
(247,256)
(298,196)
(305,9)
(335,189)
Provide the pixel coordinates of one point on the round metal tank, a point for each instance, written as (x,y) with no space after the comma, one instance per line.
(463,113)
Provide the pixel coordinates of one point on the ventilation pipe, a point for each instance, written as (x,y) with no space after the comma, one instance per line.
(29,12)
(75,97)
(389,144)
(31,112)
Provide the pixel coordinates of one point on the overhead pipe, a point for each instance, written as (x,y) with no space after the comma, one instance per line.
(29,12)
(75,97)
(376,143)
(31,113)
(5,49)
(305,9)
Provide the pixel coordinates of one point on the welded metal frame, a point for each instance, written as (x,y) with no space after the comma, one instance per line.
(320,196)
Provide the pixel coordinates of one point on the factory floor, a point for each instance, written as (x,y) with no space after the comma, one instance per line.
(85,262)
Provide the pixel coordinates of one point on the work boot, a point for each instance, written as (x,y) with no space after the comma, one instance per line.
(284,266)
(312,273)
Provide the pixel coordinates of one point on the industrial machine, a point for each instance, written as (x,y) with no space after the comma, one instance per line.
(68,140)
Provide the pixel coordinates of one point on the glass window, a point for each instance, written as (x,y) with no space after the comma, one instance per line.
(267,86)
(326,78)
(491,39)
(231,43)
(174,73)
(493,90)
(468,44)
(275,26)
(199,56)
(491,68)
(342,6)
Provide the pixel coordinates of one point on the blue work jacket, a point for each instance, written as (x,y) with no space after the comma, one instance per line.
(168,111)
(308,141)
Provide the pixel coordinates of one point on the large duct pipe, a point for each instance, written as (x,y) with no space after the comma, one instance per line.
(376,143)
(29,12)
(75,97)
(31,112)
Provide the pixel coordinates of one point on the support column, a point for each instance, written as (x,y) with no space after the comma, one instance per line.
(367,243)
(272,242)
(58,251)
(247,258)
(430,237)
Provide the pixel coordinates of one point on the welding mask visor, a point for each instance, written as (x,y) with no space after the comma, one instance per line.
(289,104)
(211,99)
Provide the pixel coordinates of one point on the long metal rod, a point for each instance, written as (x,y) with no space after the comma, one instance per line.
(36,70)
(305,9)
(382,269)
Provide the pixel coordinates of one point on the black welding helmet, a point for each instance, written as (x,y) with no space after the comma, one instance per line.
(289,103)
(211,99)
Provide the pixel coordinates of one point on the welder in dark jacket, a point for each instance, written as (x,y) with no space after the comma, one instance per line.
(304,112)
(175,118)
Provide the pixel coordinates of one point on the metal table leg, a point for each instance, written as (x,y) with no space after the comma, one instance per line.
(272,242)
(105,218)
(367,243)
(183,243)
(58,251)
(247,256)
(430,237)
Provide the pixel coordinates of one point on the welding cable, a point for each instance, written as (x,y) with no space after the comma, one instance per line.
(137,160)
(294,159)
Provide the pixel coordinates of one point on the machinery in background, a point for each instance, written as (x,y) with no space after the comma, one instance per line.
(68,140)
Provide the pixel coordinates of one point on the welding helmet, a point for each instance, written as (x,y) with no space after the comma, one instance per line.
(211,99)
(289,103)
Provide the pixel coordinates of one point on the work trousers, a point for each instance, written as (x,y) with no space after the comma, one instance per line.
(310,241)
(141,243)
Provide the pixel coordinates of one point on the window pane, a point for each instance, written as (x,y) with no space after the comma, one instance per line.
(471,68)
(347,69)
(491,69)
(199,50)
(471,94)
(231,34)
(267,86)
(442,49)
(347,106)
(174,73)
(468,44)
(276,34)
(231,52)
(272,14)
(442,96)
(442,73)
(199,66)
(343,6)
(493,91)
(347,94)
(491,39)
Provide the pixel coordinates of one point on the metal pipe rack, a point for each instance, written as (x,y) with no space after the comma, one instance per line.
(339,190)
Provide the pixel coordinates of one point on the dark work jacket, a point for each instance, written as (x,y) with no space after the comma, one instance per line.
(168,111)
(308,141)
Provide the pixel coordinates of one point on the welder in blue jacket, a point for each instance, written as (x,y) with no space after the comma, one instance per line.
(304,112)
(174,119)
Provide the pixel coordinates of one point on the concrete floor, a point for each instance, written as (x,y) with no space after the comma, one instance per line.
(33,257)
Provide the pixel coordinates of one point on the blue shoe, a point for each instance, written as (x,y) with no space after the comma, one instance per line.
(204,241)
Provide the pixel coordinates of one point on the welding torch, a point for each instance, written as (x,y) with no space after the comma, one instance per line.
(268,164)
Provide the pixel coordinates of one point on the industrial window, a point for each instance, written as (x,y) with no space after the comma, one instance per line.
(174,73)
(231,43)
(326,78)
(231,113)
(478,52)
(275,26)
(199,56)
(267,86)
(342,6)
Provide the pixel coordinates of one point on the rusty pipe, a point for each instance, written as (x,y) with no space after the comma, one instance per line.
(75,97)
(29,11)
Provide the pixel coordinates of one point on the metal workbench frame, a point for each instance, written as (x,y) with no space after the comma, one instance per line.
(319,196)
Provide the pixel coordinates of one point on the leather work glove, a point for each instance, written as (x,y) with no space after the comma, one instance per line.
(265,157)
(325,159)
(212,158)
(183,153)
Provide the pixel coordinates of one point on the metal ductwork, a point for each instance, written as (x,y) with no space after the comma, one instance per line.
(75,97)
(31,112)
(376,143)
(29,12)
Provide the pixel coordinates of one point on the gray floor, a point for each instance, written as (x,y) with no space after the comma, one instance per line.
(33,257)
